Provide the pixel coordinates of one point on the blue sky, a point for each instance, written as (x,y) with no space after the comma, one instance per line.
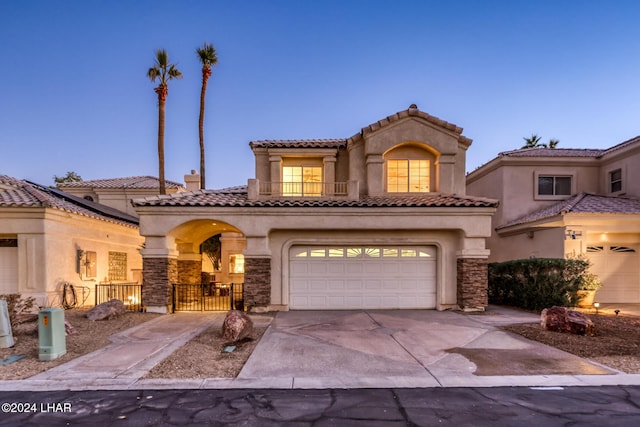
(74,95)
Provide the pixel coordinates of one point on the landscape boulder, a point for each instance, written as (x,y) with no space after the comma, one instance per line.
(107,310)
(559,319)
(236,326)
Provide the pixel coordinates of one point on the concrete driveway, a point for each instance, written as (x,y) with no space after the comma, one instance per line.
(404,348)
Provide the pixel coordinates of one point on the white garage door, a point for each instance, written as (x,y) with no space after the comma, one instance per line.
(618,269)
(362,277)
(8,270)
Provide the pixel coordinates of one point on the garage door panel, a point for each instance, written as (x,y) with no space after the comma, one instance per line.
(618,271)
(363,277)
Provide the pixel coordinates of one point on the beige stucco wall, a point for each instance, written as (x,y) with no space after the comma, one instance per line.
(544,243)
(443,145)
(269,232)
(48,241)
(627,160)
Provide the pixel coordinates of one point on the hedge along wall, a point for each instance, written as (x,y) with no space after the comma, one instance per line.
(536,283)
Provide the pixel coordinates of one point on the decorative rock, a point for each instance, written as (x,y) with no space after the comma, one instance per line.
(236,326)
(559,319)
(107,310)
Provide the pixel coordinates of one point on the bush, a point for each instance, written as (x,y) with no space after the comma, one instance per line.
(537,283)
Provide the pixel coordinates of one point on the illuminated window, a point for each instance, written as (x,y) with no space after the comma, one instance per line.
(302,181)
(408,176)
(117,266)
(236,263)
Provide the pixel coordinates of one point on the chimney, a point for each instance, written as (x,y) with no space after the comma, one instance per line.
(192,181)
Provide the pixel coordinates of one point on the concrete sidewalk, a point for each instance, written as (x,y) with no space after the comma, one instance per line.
(359,349)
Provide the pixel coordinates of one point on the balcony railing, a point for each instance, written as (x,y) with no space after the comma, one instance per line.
(303,189)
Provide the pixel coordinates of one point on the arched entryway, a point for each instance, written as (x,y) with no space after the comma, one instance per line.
(177,258)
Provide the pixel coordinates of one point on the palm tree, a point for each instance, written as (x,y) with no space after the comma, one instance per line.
(208,58)
(162,71)
(532,141)
(553,143)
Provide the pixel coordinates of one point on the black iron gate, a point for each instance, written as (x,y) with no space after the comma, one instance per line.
(208,297)
(129,293)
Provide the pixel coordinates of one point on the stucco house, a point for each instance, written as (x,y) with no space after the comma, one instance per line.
(49,238)
(567,202)
(118,192)
(378,220)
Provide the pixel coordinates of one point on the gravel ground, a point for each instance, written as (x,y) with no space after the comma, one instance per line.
(616,343)
(204,357)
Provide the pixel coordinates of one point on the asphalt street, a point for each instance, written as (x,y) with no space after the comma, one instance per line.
(499,406)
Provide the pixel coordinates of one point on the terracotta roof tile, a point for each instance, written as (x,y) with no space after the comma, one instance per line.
(299,143)
(553,152)
(581,203)
(126,182)
(18,193)
(234,197)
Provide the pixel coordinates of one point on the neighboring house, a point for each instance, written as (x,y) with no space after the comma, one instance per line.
(49,238)
(118,192)
(569,202)
(378,220)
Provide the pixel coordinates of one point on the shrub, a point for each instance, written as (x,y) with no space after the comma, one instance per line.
(537,283)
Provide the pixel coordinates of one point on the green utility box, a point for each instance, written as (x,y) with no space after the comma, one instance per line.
(51,334)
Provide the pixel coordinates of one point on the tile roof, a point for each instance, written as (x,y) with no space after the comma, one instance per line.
(567,152)
(237,197)
(126,182)
(299,143)
(623,144)
(19,193)
(553,152)
(412,111)
(581,203)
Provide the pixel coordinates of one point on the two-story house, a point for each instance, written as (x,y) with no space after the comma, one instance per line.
(378,220)
(569,202)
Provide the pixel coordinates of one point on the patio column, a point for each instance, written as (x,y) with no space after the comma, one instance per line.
(159,272)
(257,273)
(157,277)
(257,281)
(472,278)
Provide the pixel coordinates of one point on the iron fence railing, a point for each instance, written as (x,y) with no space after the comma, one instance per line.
(129,293)
(207,297)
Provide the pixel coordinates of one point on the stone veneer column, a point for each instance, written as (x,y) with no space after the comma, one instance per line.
(157,277)
(257,281)
(472,283)
(189,272)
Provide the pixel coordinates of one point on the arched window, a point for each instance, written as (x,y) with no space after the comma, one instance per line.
(408,169)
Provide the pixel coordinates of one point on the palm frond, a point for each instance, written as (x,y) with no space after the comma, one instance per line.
(207,54)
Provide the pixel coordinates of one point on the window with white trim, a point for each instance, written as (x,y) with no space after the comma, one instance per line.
(408,176)
(301,181)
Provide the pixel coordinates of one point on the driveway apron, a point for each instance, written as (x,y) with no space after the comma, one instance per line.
(411,348)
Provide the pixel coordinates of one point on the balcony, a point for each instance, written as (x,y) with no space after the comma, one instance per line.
(326,190)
